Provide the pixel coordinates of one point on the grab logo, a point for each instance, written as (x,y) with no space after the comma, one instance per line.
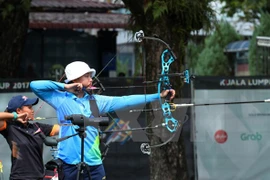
(221,136)
(251,137)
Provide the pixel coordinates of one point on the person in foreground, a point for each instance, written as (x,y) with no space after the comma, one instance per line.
(24,138)
(71,98)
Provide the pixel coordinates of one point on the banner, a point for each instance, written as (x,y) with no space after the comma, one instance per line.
(232,141)
(14,86)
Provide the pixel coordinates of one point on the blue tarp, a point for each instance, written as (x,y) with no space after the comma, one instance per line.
(237,46)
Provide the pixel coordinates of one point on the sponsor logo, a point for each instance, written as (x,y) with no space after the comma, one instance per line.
(251,137)
(221,136)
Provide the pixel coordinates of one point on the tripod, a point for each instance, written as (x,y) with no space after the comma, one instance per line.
(83,122)
(82,165)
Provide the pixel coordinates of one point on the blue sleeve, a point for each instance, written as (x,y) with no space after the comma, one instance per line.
(113,103)
(49,91)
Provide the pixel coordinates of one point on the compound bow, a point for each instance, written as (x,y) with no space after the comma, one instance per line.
(167,58)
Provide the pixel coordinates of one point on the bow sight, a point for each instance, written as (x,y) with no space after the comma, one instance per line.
(184,75)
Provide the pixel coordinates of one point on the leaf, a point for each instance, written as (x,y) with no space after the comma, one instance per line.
(7,10)
(212,61)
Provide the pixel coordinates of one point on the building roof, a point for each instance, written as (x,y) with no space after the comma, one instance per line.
(237,46)
(65,5)
(39,20)
(70,14)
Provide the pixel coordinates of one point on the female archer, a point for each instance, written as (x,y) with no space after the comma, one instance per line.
(24,138)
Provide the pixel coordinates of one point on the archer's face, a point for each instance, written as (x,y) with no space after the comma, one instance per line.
(86,80)
(29,109)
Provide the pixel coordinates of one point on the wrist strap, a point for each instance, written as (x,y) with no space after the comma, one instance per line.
(15,116)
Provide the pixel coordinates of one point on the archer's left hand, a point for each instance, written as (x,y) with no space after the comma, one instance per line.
(168,92)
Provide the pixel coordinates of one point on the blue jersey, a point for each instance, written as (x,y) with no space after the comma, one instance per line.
(66,103)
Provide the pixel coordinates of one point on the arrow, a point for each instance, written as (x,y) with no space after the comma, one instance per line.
(222,103)
(175,106)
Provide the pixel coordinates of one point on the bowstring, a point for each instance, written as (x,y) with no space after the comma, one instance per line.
(39,108)
(42,104)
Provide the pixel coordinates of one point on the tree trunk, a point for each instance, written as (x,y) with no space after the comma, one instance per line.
(13,30)
(173,21)
(166,162)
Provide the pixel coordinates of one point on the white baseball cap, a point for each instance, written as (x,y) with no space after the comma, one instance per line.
(77,69)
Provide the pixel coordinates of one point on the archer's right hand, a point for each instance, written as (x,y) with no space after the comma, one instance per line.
(23,117)
(74,87)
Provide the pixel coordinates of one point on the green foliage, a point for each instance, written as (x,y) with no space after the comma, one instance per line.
(26,5)
(7,8)
(250,9)
(193,51)
(158,7)
(138,66)
(122,66)
(212,61)
(179,15)
(256,54)
(223,35)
